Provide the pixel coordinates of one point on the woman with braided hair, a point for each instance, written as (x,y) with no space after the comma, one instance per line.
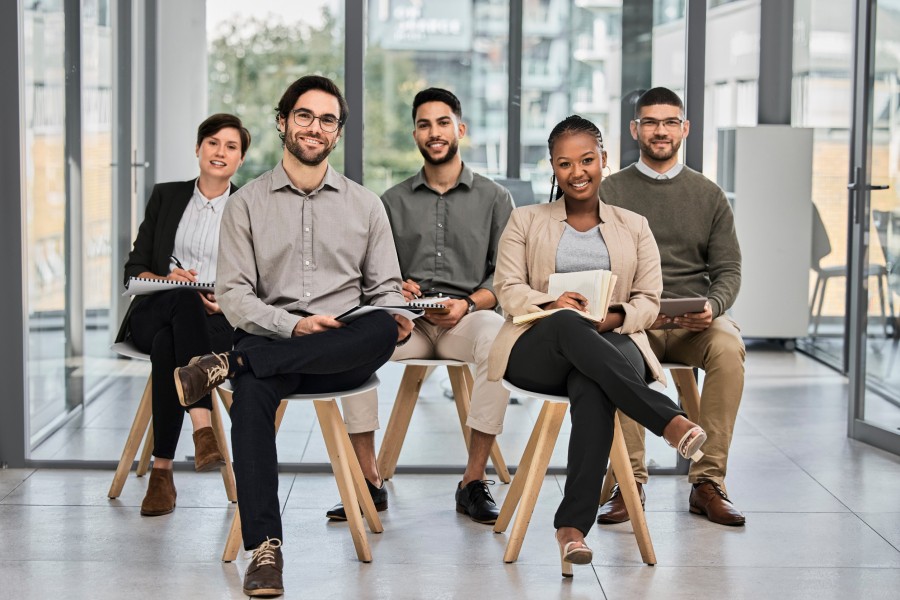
(602,366)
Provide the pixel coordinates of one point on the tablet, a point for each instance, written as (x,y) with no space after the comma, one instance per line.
(676,307)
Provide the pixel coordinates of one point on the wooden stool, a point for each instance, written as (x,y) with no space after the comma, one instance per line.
(533,467)
(683,376)
(142,428)
(347,472)
(407,396)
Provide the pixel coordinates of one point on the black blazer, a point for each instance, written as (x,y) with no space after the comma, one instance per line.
(156,236)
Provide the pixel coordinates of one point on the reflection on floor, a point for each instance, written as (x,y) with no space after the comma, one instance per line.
(823,520)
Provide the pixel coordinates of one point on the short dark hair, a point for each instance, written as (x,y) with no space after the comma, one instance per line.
(657,95)
(434,94)
(303,85)
(219,121)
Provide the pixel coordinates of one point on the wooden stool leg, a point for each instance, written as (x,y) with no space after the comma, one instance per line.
(545,443)
(395,434)
(687,389)
(337,452)
(133,442)
(359,480)
(147,452)
(219,430)
(461,393)
(518,483)
(621,465)
(233,542)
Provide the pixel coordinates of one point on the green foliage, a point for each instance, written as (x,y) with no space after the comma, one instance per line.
(252,62)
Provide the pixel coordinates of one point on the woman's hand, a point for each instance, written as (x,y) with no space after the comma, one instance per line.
(569,300)
(182,275)
(210,304)
(612,321)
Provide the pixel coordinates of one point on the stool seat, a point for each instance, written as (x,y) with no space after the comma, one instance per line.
(431,362)
(142,429)
(349,477)
(370,384)
(526,484)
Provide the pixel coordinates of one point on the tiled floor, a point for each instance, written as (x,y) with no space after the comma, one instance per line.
(823,519)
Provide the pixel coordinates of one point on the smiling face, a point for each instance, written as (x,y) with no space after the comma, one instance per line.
(437,132)
(660,144)
(220,153)
(578,162)
(310,144)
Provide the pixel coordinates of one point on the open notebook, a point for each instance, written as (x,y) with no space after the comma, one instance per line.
(138,286)
(597,286)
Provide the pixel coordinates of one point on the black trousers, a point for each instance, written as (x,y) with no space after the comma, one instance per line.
(173,327)
(564,354)
(334,360)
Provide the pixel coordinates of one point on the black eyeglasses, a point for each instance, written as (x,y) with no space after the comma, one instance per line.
(304,118)
(653,124)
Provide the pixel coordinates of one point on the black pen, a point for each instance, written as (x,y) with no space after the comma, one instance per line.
(178,263)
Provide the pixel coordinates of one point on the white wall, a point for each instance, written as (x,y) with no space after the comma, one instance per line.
(181,97)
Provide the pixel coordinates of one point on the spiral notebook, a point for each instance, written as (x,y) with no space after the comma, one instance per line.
(140,286)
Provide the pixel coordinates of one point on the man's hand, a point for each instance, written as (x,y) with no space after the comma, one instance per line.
(660,321)
(315,324)
(182,275)
(569,300)
(209,303)
(404,328)
(696,321)
(411,290)
(457,308)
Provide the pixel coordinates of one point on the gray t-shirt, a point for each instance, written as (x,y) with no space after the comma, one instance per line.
(581,251)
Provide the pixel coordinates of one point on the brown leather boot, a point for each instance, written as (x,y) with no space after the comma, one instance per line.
(707,498)
(198,377)
(206,451)
(160,498)
(613,510)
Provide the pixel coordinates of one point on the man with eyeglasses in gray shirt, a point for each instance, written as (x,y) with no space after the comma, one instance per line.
(298,245)
(446,221)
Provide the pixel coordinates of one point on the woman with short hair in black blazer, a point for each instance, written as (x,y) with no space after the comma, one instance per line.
(178,240)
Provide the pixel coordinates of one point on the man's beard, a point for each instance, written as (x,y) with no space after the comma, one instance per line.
(308,158)
(452,149)
(660,155)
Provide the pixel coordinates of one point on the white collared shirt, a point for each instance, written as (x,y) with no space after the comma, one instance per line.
(197,238)
(646,170)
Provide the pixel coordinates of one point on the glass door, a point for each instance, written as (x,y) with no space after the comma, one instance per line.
(875,229)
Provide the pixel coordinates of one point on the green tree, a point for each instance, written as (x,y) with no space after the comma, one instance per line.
(253,61)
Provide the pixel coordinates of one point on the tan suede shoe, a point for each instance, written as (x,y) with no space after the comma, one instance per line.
(206,451)
(160,498)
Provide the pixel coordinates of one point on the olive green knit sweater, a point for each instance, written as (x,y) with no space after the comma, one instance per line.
(694,229)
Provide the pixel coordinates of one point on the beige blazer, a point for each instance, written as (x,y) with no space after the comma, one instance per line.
(527,257)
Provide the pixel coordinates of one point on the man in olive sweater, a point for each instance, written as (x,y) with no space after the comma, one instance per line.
(694,229)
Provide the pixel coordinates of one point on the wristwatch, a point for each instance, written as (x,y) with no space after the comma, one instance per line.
(471,304)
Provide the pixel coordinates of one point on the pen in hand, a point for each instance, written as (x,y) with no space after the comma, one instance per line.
(192,275)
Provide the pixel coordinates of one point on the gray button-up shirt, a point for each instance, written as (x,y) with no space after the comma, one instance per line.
(285,254)
(447,243)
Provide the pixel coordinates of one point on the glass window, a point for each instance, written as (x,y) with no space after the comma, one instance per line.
(822,100)
(255,51)
(466,53)
(45,212)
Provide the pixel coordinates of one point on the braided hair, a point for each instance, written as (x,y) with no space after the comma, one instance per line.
(570,125)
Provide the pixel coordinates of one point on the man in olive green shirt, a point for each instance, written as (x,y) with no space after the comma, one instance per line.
(694,229)
(446,222)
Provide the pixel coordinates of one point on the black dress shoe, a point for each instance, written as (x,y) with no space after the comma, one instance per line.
(379,497)
(476,501)
(613,510)
(264,573)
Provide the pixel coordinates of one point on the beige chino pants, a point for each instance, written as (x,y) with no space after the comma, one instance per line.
(470,341)
(719,351)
